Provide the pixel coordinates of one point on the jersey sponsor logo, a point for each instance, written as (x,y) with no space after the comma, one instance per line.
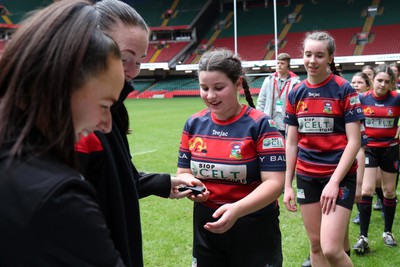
(316,125)
(219,133)
(379,123)
(231,173)
(327,107)
(313,94)
(354,100)
(197,145)
(236,150)
(301,107)
(368,111)
(182,155)
(273,158)
(274,142)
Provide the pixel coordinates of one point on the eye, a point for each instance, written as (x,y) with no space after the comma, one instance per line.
(105,107)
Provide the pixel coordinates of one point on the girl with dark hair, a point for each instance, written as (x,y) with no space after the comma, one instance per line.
(381,107)
(323,138)
(59,77)
(361,82)
(238,154)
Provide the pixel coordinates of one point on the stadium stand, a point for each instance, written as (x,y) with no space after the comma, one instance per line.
(182,30)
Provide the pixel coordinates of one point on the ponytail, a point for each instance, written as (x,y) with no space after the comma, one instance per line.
(333,69)
(246,89)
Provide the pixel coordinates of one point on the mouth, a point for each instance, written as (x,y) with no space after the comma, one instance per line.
(214,104)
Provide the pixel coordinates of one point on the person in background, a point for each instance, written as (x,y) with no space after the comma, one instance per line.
(369,70)
(105,159)
(59,77)
(381,107)
(238,153)
(274,91)
(396,70)
(361,82)
(324,108)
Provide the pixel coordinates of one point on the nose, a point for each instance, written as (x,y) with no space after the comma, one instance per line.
(210,94)
(131,71)
(106,122)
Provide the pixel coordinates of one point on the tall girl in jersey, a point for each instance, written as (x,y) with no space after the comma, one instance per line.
(381,107)
(239,155)
(323,114)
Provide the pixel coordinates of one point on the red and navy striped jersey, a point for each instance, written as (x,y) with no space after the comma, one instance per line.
(228,156)
(321,112)
(381,118)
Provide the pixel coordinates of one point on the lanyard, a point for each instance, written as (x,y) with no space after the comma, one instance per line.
(285,86)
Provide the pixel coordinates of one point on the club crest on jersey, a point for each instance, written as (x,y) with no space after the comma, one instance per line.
(198,145)
(328,107)
(301,107)
(343,192)
(390,112)
(236,150)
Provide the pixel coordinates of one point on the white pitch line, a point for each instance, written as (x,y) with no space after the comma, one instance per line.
(144,152)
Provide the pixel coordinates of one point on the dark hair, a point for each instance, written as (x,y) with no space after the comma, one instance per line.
(113,12)
(331,45)
(54,52)
(364,77)
(285,57)
(225,61)
(385,69)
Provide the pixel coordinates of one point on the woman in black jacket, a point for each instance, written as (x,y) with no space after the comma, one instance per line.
(59,77)
(105,159)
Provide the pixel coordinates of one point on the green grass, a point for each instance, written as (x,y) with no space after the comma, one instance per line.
(167,224)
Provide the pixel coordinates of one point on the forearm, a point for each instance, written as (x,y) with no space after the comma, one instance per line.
(266,193)
(291,155)
(158,184)
(346,161)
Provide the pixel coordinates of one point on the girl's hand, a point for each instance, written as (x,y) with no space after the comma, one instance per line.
(329,196)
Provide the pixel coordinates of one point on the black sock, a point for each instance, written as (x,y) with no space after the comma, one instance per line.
(365,214)
(390,210)
(379,193)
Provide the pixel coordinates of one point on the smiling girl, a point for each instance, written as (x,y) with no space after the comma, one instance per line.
(381,109)
(238,153)
(323,118)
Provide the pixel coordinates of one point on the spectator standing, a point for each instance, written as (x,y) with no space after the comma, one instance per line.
(274,91)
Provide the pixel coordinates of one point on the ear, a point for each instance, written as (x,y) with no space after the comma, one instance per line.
(330,59)
(239,83)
